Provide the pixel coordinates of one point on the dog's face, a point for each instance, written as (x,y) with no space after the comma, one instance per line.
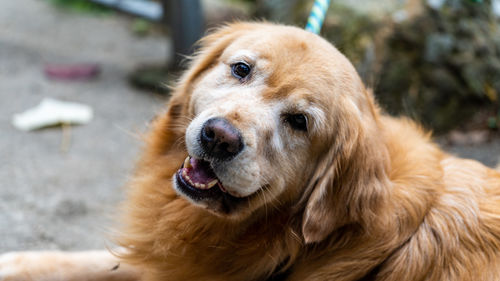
(267,105)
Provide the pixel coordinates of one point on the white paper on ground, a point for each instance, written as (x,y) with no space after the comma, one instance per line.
(51,112)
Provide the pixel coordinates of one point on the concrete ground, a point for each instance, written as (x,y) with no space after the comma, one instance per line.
(54,196)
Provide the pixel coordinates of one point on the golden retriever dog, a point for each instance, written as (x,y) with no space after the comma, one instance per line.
(273,162)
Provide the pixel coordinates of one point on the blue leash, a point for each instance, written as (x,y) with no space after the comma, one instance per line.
(317,15)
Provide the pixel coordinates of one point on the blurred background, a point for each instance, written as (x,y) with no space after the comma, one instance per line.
(437,61)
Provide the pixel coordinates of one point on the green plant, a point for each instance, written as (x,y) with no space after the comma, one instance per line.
(80,6)
(443,66)
(141,27)
(494,121)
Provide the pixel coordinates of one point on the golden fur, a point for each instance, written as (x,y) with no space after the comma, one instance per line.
(369,197)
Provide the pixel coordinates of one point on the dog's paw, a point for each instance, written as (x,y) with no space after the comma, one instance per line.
(13,267)
(51,266)
(65,266)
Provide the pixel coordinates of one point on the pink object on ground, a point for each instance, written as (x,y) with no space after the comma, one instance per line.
(82,71)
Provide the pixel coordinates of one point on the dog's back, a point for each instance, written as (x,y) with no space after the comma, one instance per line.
(459,236)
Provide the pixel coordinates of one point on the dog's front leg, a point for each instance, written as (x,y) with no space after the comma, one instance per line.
(65,266)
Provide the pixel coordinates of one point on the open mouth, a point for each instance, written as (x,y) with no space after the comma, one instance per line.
(197,180)
(198,174)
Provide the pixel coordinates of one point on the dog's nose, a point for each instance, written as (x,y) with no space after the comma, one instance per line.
(220,139)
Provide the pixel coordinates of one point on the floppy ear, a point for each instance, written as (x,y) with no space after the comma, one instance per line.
(350,183)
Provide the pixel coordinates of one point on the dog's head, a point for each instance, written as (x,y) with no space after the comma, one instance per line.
(277,116)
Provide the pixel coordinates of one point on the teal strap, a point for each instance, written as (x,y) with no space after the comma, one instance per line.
(318,12)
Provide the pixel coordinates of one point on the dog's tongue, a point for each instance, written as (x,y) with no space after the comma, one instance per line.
(200,172)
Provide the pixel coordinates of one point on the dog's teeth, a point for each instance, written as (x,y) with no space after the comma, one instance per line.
(184,174)
(187,162)
(189,180)
(212,184)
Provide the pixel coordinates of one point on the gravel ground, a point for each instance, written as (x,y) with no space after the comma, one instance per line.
(55,197)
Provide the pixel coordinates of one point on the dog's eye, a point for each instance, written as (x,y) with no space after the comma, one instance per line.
(240,70)
(297,121)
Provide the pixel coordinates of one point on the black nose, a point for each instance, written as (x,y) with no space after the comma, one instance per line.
(219,139)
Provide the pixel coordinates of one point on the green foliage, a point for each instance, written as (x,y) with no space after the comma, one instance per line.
(443,66)
(141,27)
(494,121)
(80,6)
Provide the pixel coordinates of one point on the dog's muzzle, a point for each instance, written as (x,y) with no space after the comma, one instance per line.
(219,142)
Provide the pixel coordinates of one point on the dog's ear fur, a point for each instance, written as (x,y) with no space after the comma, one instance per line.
(350,183)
